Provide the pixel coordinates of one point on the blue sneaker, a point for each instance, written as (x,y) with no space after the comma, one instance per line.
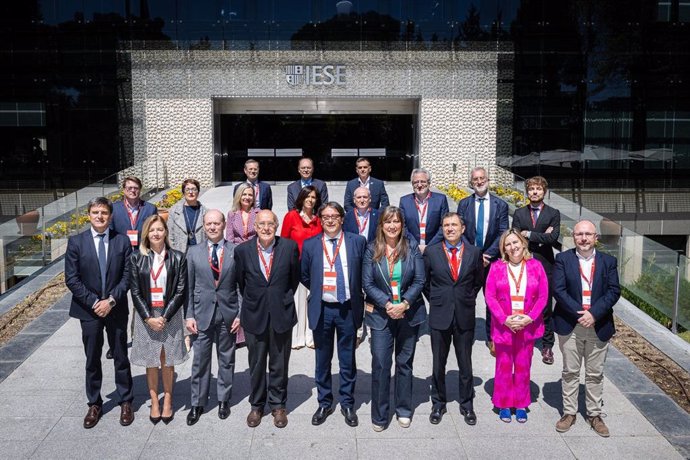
(521,415)
(504,415)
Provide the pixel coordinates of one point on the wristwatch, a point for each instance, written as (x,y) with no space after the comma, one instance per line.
(111,302)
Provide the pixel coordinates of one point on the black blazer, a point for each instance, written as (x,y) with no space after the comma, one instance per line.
(271,301)
(350,223)
(540,244)
(83,275)
(377,288)
(567,290)
(377,190)
(295,187)
(450,299)
(175,284)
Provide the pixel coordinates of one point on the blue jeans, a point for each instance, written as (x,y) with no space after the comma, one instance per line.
(398,335)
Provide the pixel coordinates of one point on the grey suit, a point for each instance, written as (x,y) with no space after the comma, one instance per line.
(214,306)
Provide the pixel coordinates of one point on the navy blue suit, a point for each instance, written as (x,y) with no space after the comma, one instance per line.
(265,194)
(498,223)
(350,223)
(121,223)
(83,278)
(377,190)
(329,319)
(296,187)
(437,208)
(567,290)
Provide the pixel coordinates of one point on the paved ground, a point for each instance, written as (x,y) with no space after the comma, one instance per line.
(43,405)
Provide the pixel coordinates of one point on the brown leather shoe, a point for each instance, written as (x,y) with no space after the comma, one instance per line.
(126,414)
(547,355)
(599,426)
(254,418)
(92,416)
(280,417)
(565,423)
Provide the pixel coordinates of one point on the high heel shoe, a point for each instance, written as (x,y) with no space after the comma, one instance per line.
(155,420)
(167,420)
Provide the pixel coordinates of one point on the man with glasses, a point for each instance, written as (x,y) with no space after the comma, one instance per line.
(268,274)
(130,213)
(585,286)
(332,271)
(423,210)
(306,172)
(376,187)
(263,197)
(486,218)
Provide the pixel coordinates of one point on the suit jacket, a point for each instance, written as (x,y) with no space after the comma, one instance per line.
(296,187)
(541,244)
(377,287)
(177,227)
(567,290)
(437,207)
(234,230)
(175,284)
(121,223)
(498,223)
(312,276)
(265,194)
(269,302)
(83,275)
(377,189)
(204,294)
(497,295)
(350,223)
(450,299)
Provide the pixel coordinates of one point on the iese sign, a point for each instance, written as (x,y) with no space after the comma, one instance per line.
(317,75)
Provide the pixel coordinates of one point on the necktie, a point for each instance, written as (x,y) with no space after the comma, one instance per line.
(102,262)
(214,262)
(535,215)
(339,275)
(479,240)
(454,263)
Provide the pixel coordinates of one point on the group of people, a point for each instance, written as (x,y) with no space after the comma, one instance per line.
(334,275)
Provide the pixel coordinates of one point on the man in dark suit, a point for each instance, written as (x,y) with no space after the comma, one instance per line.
(585,285)
(130,213)
(213,314)
(362,219)
(376,187)
(263,196)
(268,274)
(306,172)
(97,274)
(486,218)
(453,279)
(423,210)
(332,271)
(541,225)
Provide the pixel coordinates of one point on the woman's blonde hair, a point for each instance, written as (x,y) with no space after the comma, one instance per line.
(145,244)
(236,206)
(501,244)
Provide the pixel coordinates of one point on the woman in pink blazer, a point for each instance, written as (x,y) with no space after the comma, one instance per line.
(516,293)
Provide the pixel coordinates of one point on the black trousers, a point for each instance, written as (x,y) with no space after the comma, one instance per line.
(462,340)
(92,338)
(276,347)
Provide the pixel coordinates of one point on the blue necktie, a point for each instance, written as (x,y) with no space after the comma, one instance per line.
(339,275)
(214,262)
(102,262)
(479,240)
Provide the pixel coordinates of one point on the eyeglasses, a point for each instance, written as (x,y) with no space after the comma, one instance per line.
(476,180)
(266,224)
(191,190)
(330,218)
(420,182)
(132,188)
(585,234)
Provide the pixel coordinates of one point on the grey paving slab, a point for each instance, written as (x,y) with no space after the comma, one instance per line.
(47,323)
(17,449)
(43,404)
(663,413)
(21,346)
(516,446)
(222,447)
(682,444)
(619,447)
(404,448)
(26,428)
(303,447)
(106,448)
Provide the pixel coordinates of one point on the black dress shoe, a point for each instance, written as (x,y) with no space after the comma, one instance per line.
(223,410)
(194,415)
(437,415)
(167,420)
(321,415)
(470,416)
(109,354)
(350,416)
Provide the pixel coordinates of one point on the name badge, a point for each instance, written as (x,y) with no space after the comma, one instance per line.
(329,282)
(396,291)
(369,307)
(517,303)
(157,297)
(133,236)
(422,230)
(586,300)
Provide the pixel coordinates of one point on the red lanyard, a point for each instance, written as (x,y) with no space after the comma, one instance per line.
(335,253)
(422,211)
(131,213)
(531,214)
(391,262)
(519,278)
(455,263)
(268,266)
(156,275)
(363,225)
(591,274)
(220,260)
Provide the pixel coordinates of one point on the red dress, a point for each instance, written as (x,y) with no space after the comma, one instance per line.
(297,230)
